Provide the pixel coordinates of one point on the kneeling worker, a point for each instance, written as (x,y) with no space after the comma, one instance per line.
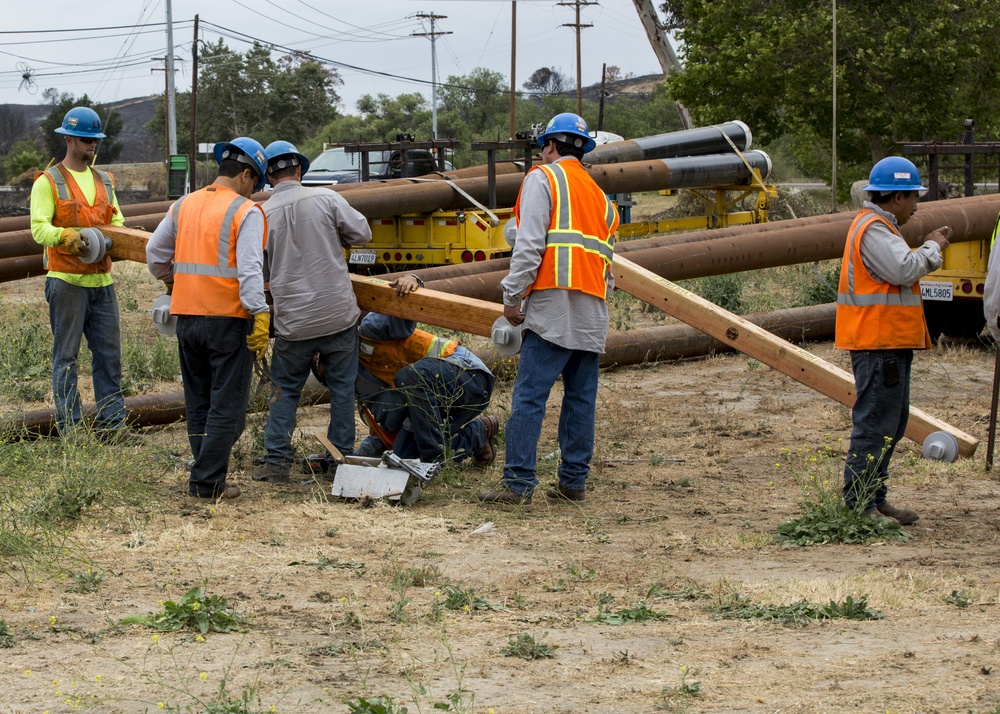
(424,395)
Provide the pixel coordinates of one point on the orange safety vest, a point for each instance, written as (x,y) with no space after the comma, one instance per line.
(874,315)
(383,358)
(580,243)
(73,211)
(205,274)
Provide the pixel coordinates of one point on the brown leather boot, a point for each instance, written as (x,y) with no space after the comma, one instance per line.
(486,455)
(903,515)
(506,496)
(566,494)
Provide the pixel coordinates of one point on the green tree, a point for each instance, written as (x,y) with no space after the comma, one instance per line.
(111,124)
(379,118)
(903,73)
(23,156)
(251,94)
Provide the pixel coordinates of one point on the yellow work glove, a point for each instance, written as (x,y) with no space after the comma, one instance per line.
(257,340)
(70,240)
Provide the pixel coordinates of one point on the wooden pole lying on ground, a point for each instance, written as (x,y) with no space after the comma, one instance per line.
(477,317)
(785,357)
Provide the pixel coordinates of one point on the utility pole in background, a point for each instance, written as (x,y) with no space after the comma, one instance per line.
(169,133)
(664,51)
(171,98)
(579,86)
(194,108)
(433,35)
(513,70)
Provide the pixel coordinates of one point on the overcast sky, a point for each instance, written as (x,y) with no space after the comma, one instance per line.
(56,44)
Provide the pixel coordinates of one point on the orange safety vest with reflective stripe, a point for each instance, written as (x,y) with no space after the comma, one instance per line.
(383,358)
(580,243)
(874,315)
(205,275)
(73,211)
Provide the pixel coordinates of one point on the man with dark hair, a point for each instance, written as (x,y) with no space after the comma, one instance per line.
(315,311)
(209,250)
(880,319)
(82,301)
(559,281)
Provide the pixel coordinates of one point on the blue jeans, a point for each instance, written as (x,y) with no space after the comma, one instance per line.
(290,367)
(216,366)
(880,413)
(442,401)
(540,364)
(75,312)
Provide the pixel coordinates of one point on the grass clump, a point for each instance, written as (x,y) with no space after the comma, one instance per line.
(194,611)
(525,647)
(375,705)
(6,635)
(641,612)
(736,607)
(826,519)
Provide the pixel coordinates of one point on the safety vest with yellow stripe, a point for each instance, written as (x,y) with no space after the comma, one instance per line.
(384,358)
(206,280)
(873,315)
(73,211)
(580,242)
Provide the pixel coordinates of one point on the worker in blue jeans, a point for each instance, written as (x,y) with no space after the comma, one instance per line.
(423,395)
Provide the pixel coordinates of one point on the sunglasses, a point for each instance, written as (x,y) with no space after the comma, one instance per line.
(86,141)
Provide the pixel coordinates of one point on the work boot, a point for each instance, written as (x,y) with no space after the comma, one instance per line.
(874,514)
(270,473)
(505,496)
(566,494)
(227,494)
(904,515)
(486,455)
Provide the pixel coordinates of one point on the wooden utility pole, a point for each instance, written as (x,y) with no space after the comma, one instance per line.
(577,4)
(664,51)
(192,177)
(513,69)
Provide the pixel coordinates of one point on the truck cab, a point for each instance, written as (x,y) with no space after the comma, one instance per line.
(337,166)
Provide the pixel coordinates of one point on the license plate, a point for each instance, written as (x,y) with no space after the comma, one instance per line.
(931,290)
(360,256)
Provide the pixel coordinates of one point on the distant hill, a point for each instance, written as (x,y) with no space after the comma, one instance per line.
(139,146)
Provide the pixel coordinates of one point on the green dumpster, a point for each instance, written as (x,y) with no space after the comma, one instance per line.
(177,176)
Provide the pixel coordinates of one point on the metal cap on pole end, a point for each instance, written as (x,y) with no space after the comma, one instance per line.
(941,446)
(506,338)
(163,321)
(97,245)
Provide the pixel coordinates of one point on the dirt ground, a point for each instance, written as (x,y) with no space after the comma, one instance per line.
(346,600)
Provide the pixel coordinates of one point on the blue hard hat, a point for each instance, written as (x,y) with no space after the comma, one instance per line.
(282,154)
(82,121)
(894,173)
(247,151)
(570,129)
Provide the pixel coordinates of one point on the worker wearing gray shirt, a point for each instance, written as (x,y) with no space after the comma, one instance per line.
(315,311)
(558,285)
(880,319)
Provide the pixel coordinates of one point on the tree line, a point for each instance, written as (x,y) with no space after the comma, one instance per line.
(903,74)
